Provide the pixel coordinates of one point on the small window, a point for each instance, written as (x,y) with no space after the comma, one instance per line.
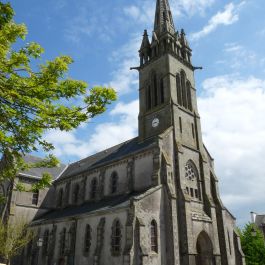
(35,197)
(154,245)
(196,193)
(116,238)
(87,242)
(191,192)
(192,129)
(180,124)
(94,184)
(114,183)
(187,190)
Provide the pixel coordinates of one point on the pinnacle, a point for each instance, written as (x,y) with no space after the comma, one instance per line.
(163,18)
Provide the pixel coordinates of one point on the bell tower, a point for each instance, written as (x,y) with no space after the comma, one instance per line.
(166,76)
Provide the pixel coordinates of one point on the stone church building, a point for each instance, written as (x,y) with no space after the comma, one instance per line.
(154,199)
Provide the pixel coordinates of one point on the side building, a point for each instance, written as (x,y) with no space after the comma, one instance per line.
(154,199)
(27,205)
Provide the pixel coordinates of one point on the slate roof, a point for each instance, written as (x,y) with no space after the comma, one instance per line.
(37,172)
(109,155)
(109,204)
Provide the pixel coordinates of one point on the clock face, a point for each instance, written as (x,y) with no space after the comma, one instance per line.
(155,122)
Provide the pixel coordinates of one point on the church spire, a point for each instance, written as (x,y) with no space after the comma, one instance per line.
(163,18)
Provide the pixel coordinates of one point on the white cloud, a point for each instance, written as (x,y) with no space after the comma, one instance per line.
(232,111)
(105,135)
(228,16)
(191,7)
(239,57)
(124,80)
(86,24)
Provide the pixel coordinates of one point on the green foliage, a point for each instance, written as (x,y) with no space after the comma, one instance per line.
(36,99)
(253,246)
(14,237)
(45,181)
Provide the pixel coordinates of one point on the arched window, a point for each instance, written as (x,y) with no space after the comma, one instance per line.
(148,98)
(60,198)
(192,181)
(188,87)
(162,91)
(178,86)
(45,245)
(116,238)
(154,245)
(76,194)
(94,184)
(155,94)
(114,182)
(183,88)
(63,242)
(87,241)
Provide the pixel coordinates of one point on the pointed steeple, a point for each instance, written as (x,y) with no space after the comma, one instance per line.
(163,18)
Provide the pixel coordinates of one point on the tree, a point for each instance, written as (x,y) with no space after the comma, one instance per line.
(14,237)
(36,97)
(253,246)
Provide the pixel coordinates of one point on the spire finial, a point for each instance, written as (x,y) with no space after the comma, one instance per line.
(163,18)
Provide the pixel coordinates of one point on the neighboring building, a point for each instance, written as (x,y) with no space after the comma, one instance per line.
(259,220)
(27,205)
(154,199)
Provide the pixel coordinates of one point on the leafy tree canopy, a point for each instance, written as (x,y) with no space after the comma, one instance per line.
(36,97)
(253,246)
(14,236)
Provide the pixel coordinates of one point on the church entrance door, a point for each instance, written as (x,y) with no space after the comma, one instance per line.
(204,250)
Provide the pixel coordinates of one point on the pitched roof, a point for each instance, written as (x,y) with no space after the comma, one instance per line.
(88,207)
(106,204)
(37,172)
(116,152)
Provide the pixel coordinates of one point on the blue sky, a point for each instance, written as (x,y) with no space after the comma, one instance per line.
(227,38)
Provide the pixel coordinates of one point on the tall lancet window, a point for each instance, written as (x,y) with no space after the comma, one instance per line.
(192,181)
(162,91)
(183,88)
(87,239)
(154,244)
(178,86)
(76,194)
(155,94)
(114,182)
(148,98)
(116,238)
(60,198)
(188,87)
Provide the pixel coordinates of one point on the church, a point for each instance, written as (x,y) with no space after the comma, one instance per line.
(152,200)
